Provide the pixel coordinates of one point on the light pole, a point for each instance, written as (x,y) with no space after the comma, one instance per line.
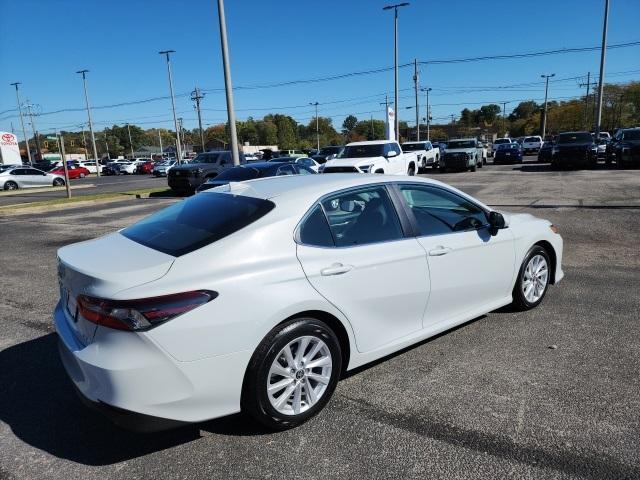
(228,87)
(24,130)
(317,126)
(427,90)
(93,138)
(602,58)
(130,142)
(173,103)
(416,87)
(544,113)
(395,58)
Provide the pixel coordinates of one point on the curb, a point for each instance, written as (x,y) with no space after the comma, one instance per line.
(24,191)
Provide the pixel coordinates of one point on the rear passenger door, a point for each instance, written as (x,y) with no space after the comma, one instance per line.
(470,269)
(354,252)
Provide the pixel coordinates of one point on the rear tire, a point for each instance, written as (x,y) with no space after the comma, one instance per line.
(533,279)
(10,185)
(58,182)
(301,392)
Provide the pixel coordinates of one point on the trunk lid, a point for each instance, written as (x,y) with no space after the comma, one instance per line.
(102,268)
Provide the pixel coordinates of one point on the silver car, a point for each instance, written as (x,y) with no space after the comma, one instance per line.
(161,168)
(26,177)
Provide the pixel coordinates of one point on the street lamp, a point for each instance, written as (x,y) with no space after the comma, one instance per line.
(602,60)
(24,131)
(93,138)
(395,56)
(546,91)
(427,90)
(228,87)
(173,104)
(317,128)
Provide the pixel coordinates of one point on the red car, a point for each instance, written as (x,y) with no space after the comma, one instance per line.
(146,167)
(74,172)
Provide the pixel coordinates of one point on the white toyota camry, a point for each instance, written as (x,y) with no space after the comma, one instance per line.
(257,296)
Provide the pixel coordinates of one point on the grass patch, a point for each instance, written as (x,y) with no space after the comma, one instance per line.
(86,198)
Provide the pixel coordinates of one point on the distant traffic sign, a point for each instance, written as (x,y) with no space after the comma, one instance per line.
(52,138)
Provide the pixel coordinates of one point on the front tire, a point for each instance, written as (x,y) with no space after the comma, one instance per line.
(58,182)
(292,374)
(533,279)
(412,170)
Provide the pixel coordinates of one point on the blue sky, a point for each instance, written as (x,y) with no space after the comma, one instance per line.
(278,41)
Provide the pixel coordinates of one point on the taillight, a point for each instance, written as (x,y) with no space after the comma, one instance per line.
(143,313)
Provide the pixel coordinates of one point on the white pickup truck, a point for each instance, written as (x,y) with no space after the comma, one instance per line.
(428,155)
(377,156)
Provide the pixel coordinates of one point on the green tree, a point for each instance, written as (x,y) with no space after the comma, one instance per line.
(349,124)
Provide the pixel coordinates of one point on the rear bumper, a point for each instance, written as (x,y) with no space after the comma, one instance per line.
(184,183)
(134,381)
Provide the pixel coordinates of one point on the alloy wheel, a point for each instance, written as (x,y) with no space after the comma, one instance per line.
(299,375)
(535,278)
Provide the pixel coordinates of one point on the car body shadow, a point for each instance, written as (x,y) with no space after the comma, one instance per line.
(40,405)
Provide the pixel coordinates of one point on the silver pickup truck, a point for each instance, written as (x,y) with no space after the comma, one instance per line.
(462,154)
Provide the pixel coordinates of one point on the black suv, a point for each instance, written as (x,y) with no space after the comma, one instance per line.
(625,147)
(575,149)
(189,176)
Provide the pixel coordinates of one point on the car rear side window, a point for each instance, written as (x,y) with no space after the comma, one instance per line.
(196,222)
(315,229)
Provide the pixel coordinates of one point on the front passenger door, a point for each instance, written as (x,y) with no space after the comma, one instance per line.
(470,269)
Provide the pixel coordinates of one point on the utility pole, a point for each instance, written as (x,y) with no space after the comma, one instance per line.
(35,130)
(160,140)
(93,138)
(228,87)
(544,113)
(586,99)
(372,130)
(504,117)
(416,88)
(315,104)
(395,60)
(130,142)
(196,96)
(84,144)
(173,104)
(106,143)
(428,117)
(602,59)
(386,113)
(24,130)
(181,130)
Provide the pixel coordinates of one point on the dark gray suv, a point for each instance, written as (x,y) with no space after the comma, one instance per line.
(189,176)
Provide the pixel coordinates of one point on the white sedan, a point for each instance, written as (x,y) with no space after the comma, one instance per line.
(28,177)
(258,295)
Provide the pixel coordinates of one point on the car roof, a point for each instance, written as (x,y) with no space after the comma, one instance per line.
(466,139)
(370,142)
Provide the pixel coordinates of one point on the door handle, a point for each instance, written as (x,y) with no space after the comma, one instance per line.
(438,251)
(335,269)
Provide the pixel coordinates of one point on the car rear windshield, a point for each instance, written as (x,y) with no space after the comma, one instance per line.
(363,151)
(502,140)
(412,147)
(461,144)
(329,150)
(206,158)
(531,139)
(196,222)
(578,137)
(238,174)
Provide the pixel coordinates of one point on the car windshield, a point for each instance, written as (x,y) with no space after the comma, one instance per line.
(632,135)
(363,151)
(237,174)
(329,150)
(412,147)
(577,137)
(196,222)
(502,140)
(461,144)
(206,158)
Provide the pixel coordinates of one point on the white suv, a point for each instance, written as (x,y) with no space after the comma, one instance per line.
(532,144)
(498,141)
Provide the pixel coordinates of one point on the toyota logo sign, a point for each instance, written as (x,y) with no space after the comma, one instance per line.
(7,137)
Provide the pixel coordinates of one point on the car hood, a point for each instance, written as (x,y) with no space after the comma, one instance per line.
(514,219)
(352,162)
(460,150)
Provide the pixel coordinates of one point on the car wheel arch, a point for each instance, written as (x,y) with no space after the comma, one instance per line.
(552,256)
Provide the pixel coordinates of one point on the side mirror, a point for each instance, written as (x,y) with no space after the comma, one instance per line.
(496,222)
(392,154)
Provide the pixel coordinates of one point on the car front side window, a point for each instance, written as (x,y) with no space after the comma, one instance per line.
(438,211)
(362,217)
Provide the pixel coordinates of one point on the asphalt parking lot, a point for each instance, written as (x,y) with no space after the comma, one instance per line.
(549,393)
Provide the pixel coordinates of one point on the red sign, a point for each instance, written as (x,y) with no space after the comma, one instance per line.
(7,137)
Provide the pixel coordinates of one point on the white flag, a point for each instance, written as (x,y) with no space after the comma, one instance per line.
(391,124)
